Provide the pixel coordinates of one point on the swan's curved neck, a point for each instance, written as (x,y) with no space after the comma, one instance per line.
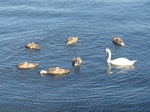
(109,56)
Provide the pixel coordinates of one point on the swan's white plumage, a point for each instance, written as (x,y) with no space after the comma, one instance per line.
(118,61)
(122,61)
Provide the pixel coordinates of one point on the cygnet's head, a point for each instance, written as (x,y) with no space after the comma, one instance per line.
(43,72)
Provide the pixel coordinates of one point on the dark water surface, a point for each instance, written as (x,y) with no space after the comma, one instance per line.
(49,23)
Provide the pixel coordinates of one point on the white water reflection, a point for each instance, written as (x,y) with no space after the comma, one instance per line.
(122,68)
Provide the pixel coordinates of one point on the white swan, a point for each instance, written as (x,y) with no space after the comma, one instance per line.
(118,61)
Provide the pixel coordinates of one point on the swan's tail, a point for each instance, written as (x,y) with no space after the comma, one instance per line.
(134,61)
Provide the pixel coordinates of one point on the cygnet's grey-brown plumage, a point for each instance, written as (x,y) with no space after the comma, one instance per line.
(118,41)
(71,40)
(32,46)
(77,61)
(26,65)
(55,71)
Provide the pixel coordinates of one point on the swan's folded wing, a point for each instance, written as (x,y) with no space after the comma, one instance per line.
(121,61)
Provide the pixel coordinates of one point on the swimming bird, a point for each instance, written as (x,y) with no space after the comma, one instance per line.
(118,61)
(55,71)
(32,46)
(26,65)
(71,40)
(77,61)
(118,41)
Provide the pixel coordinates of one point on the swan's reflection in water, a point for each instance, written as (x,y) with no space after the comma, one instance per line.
(122,68)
